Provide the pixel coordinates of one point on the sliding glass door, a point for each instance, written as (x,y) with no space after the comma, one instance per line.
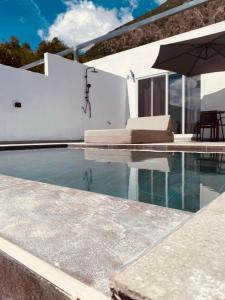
(144,97)
(175,101)
(174,94)
(151,96)
(192,103)
(159,95)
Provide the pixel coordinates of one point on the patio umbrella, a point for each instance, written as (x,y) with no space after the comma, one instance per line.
(201,55)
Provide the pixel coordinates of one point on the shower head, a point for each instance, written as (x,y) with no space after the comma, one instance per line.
(94,71)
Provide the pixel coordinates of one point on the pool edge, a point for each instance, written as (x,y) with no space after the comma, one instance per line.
(63,284)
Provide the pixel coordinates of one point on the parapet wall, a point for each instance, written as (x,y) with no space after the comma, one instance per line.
(51,104)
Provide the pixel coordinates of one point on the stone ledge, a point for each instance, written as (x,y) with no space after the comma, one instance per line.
(200,147)
(25,276)
(188,265)
(85,235)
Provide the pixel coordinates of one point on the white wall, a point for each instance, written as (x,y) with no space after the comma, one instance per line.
(140,60)
(52,103)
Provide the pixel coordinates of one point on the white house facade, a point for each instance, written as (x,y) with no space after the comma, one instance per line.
(157,92)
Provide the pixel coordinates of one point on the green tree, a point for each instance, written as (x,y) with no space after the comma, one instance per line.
(15,54)
(53,46)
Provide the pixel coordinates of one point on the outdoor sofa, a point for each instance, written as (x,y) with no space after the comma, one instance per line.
(155,129)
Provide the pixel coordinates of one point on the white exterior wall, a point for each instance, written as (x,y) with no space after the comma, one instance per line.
(52,103)
(140,60)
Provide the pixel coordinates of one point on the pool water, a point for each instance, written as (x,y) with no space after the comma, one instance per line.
(184,181)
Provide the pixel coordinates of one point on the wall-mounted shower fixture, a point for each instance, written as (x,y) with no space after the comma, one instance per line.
(87,107)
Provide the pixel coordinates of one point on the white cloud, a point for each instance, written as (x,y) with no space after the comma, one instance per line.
(41,33)
(84,20)
(21,20)
(134,3)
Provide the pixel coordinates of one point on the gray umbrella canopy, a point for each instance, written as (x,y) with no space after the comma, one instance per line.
(201,55)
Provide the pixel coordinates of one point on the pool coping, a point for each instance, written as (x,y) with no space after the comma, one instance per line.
(65,284)
(187,265)
(177,146)
(169,147)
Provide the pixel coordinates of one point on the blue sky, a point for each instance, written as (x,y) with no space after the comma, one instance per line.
(73,21)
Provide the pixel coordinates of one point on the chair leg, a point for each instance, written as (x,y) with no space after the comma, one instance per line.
(221,125)
(222,131)
(197,133)
(217,133)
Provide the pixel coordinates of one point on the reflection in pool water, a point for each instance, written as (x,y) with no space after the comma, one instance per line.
(186,181)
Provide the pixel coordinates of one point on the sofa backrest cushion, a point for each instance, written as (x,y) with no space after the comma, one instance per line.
(163,123)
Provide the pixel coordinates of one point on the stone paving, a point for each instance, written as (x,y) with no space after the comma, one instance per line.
(86,235)
(187,265)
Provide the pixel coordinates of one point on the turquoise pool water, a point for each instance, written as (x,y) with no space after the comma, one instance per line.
(185,181)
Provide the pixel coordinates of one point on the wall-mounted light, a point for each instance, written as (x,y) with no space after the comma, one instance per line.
(131,75)
(18,104)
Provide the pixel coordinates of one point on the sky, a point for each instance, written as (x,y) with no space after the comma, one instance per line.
(72,21)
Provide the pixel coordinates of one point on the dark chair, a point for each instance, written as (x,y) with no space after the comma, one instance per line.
(208,120)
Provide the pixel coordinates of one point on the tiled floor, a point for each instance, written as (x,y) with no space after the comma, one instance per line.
(86,235)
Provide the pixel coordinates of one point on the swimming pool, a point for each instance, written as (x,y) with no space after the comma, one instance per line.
(185,181)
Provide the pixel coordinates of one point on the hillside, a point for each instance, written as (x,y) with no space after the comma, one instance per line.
(209,13)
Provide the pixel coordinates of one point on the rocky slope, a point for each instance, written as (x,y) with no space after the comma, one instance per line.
(211,12)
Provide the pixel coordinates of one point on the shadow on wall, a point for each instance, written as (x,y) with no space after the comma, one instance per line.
(127,107)
(214,101)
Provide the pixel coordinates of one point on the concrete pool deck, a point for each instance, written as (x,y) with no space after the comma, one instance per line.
(187,265)
(72,240)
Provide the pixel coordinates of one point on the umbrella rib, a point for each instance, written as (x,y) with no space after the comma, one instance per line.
(176,56)
(195,62)
(218,51)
